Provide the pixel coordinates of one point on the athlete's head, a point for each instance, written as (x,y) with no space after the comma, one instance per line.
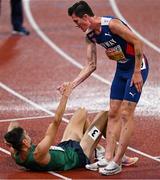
(81,14)
(17,138)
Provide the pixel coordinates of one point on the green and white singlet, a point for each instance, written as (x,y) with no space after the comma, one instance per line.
(66,155)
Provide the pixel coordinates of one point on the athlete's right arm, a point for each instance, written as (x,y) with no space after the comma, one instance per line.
(43,147)
(90,65)
(88,68)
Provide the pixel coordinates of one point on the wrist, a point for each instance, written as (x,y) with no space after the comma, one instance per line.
(74,84)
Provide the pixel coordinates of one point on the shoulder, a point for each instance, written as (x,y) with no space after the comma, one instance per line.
(116,26)
(105,20)
(39,156)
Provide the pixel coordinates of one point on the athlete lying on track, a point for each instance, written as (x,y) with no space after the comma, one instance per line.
(75,149)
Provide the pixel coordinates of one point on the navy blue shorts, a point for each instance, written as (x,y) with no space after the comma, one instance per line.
(83,159)
(121,89)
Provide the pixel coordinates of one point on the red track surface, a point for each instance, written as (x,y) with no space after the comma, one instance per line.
(31,68)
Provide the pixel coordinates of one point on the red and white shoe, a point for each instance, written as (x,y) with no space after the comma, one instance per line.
(129,161)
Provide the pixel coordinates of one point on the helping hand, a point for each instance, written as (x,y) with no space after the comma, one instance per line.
(66,88)
(61,88)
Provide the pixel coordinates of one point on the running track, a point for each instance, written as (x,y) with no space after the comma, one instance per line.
(31,68)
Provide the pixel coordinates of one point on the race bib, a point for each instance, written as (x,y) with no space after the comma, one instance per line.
(116,54)
(94,133)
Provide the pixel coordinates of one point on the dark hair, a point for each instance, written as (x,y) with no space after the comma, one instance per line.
(15,137)
(79,9)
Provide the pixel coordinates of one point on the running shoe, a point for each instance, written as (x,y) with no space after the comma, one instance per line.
(128,161)
(102,162)
(111,169)
(95,166)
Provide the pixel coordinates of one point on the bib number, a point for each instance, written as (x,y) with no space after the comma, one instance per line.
(94,133)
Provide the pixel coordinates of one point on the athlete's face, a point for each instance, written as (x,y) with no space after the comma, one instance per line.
(82,23)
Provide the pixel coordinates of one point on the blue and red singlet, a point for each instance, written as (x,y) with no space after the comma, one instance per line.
(122,52)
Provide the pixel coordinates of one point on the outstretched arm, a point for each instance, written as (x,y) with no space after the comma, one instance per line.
(88,68)
(43,147)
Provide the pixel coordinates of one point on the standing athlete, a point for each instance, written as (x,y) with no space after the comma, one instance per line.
(122,46)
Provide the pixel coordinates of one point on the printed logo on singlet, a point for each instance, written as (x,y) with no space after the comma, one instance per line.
(56,148)
(108,44)
(107,34)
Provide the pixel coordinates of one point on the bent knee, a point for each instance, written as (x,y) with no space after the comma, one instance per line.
(82,110)
(126,116)
(113,113)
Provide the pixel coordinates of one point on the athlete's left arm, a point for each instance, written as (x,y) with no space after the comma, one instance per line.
(118,28)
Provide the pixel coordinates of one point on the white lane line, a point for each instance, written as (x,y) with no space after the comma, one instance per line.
(157,157)
(5,151)
(25,118)
(3,86)
(50,172)
(119,15)
(58,50)
(144,154)
(39,117)
(59,175)
(64,119)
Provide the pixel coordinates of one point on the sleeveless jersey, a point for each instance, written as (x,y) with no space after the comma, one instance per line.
(116,48)
(122,52)
(60,159)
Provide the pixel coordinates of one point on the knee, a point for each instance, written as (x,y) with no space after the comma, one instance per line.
(113,114)
(125,116)
(82,110)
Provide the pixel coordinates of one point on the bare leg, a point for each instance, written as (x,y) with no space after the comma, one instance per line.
(127,111)
(87,124)
(113,128)
(93,133)
(76,126)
